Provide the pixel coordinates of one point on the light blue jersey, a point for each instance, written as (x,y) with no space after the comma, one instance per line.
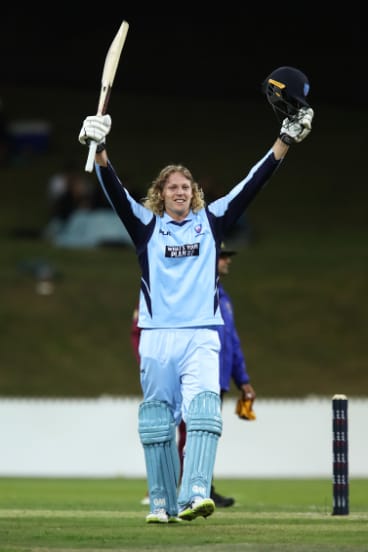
(182,288)
(178,260)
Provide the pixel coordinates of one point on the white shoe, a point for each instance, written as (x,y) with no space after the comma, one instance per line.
(158,516)
(145,501)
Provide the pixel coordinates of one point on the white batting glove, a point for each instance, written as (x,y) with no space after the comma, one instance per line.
(96,128)
(295,130)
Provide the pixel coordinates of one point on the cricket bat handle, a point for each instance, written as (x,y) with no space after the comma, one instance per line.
(91,156)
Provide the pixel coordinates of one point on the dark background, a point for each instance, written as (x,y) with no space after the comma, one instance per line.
(220,53)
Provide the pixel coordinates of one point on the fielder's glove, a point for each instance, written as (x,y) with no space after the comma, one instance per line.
(96,128)
(295,129)
(244,409)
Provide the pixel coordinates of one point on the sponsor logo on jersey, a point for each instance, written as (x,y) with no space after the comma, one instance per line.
(186,250)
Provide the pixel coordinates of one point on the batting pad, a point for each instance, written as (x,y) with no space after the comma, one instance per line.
(157,433)
(204,428)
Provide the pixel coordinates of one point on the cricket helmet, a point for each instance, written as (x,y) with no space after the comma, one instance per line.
(286,89)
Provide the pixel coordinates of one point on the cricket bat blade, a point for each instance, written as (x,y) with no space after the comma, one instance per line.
(108,75)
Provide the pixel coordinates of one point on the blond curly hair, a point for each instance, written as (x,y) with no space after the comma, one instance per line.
(154,200)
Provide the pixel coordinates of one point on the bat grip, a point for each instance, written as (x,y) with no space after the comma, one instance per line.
(91,156)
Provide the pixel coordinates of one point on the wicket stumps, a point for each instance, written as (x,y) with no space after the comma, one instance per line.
(340,477)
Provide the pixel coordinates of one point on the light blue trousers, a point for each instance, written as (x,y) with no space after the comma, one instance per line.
(178,364)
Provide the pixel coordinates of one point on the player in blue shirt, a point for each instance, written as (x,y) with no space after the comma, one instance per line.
(232,360)
(177,238)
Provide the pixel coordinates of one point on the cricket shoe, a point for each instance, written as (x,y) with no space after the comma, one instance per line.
(161,516)
(203,507)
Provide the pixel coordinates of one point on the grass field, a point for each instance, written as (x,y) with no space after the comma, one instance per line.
(55,515)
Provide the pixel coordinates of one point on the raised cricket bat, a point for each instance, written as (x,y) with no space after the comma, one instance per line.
(108,75)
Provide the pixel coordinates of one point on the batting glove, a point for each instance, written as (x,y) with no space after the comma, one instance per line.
(295,130)
(96,128)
